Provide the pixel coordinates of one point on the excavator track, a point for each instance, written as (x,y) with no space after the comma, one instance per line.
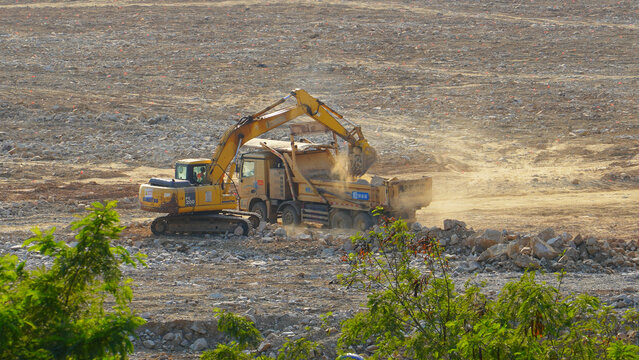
(227,222)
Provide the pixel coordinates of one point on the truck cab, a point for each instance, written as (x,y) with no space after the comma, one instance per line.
(262,184)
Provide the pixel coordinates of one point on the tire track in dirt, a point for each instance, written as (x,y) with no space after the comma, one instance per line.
(368,5)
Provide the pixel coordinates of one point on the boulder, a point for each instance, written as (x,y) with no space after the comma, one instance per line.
(264,346)
(485,240)
(557,242)
(526,250)
(280,232)
(304,237)
(198,328)
(450,224)
(178,338)
(347,244)
(592,246)
(542,250)
(566,237)
(454,240)
(199,345)
(494,252)
(571,253)
(546,234)
(526,262)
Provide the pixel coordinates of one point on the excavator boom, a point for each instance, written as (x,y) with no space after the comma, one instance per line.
(361,154)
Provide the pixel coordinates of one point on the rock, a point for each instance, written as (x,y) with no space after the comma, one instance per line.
(199,345)
(328,252)
(565,237)
(348,244)
(454,240)
(542,250)
(618,260)
(489,238)
(267,239)
(264,346)
(450,224)
(571,253)
(592,246)
(149,344)
(546,234)
(198,328)
(304,237)
(557,242)
(372,348)
(416,227)
(216,296)
(526,262)
(578,240)
(168,337)
(158,119)
(178,338)
(281,232)
(493,252)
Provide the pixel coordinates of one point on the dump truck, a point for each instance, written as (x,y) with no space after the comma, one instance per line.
(306,182)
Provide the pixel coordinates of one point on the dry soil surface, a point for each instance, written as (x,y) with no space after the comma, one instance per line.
(524,113)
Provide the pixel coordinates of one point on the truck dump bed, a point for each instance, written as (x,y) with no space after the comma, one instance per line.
(310,180)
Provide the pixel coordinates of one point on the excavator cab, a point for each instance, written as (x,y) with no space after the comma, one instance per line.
(192,170)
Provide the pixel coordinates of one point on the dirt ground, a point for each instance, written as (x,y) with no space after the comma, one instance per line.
(525,113)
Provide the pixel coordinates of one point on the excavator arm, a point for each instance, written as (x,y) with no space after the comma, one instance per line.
(361,154)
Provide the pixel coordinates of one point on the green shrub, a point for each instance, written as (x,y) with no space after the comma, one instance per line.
(300,349)
(414,312)
(242,330)
(246,337)
(58,312)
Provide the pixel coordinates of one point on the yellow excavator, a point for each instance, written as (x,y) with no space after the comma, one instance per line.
(200,199)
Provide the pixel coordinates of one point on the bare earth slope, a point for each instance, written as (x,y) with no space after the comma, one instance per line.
(525,113)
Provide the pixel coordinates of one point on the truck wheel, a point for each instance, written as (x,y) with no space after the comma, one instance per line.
(362,221)
(159,226)
(341,220)
(290,216)
(260,208)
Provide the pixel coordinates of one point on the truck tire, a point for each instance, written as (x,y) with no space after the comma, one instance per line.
(290,216)
(259,207)
(341,220)
(362,221)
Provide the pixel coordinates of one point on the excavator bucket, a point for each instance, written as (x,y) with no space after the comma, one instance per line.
(361,157)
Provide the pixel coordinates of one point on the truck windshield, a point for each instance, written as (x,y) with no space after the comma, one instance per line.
(248,169)
(180,171)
